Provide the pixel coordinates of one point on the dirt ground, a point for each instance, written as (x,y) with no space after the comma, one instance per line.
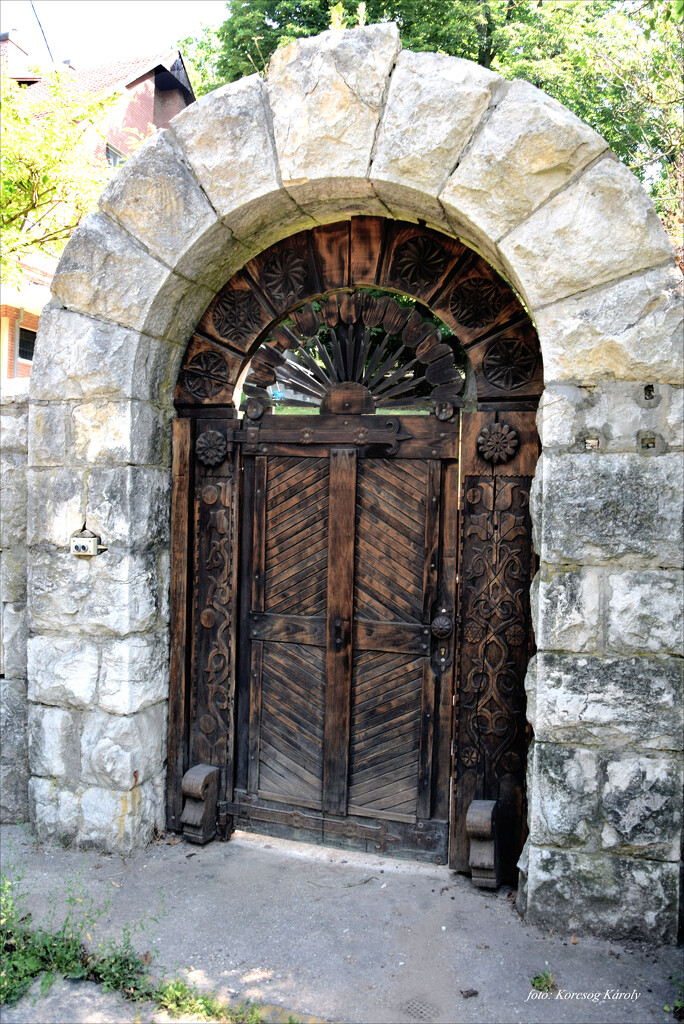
(335,935)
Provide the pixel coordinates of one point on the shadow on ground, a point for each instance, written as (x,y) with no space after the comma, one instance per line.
(338,935)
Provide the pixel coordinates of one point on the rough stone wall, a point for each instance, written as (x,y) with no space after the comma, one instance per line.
(525,182)
(98,650)
(14,772)
(605,697)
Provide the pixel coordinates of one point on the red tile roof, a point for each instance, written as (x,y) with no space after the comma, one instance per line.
(120,72)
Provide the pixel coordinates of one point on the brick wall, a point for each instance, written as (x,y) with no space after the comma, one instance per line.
(30,321)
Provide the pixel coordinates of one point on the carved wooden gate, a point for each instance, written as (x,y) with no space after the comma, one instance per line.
(350,615)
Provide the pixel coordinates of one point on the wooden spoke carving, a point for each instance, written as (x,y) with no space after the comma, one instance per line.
(308,314)
(356,353)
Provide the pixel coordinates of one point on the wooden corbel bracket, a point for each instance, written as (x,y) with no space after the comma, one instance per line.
(200,789)
(481,828)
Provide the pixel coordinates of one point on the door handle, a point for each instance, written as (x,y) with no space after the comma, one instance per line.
(442,627)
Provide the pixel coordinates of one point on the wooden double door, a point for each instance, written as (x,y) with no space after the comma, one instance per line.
(347,608)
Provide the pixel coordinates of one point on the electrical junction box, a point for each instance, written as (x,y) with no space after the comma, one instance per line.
(84,546)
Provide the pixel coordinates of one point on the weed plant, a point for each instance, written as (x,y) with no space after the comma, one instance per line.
(27,953)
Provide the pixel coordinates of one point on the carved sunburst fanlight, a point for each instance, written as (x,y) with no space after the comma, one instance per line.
(355,353)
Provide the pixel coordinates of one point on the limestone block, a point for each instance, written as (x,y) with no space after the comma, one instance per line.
(82,357)
(641,803)
(113,592)
(53,743)
(617,413)
(156,198)
(527,150)
(624,509)
(326,95)
(118,432)
(14,773)
(12,499)
(433,107)
(105,273)
(410,204)
(566,609)
(134,673)
(122,752)
(601,894)
(56,506)
(331,201)
(240,176)
(569,239)
(674,417)
(48,434)
(613,702)
(14,637)
(63,671)
(164,577)
(14,807)
(13,574)
(628,330)
(118,822)
(14,426)
(55,811)
(129,506)
(645,612)
(563,795)
(13,716)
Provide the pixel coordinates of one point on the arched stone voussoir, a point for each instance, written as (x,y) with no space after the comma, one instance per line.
(602,227)
(527,148)
(104,272)
(434,105)
(627,330)
(156,199)
(326,97)
(82,357)
(227,139)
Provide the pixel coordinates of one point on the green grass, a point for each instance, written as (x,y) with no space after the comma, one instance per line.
(543,981)
(27,953)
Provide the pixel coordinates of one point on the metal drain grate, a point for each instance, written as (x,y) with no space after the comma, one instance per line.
(421,1009)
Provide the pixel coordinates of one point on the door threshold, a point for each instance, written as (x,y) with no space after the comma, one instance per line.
(298,849)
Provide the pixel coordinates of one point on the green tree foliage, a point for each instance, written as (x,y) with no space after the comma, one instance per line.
(50,175)
(614,63)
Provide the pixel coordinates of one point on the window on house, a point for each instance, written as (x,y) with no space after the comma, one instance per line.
(27,343)
(114,157)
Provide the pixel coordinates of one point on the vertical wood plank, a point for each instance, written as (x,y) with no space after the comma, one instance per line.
(254,715)
(448,575)
(259,530)
(243,644)
(427,732)
(340,603)
(181,432)
(427,714)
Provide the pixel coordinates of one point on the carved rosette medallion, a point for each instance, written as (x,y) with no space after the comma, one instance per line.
(419,263)
(477,302)
(236,315)
(497,443)
(510,363)
(284,275)
(211,448)
(206,375)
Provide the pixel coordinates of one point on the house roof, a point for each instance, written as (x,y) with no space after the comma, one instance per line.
(121,72)
(120,75)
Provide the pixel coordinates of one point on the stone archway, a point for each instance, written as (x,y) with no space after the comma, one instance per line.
(416,136)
